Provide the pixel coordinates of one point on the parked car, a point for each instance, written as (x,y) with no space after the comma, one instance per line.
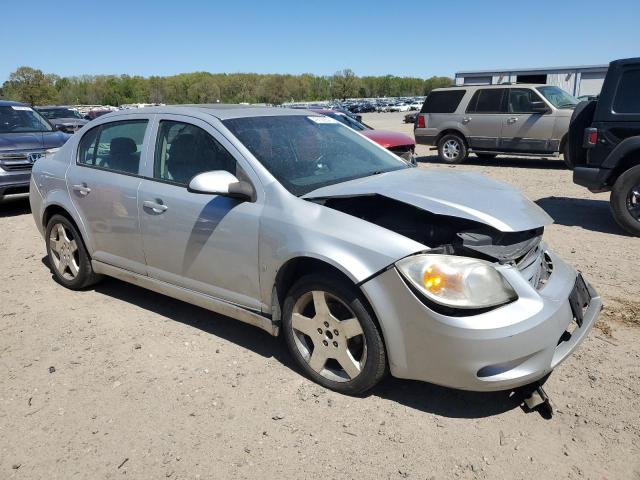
(491,119)
(290,221)
(96,112)
(411,117)
(66,119)
(604,142)
(398,143)
(25,136)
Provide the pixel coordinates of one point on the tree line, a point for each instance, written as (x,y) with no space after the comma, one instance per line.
(35,87)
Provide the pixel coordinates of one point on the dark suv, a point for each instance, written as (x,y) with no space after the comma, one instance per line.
(25,136)
(604,142)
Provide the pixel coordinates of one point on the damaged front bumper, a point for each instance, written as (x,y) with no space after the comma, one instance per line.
(501,349)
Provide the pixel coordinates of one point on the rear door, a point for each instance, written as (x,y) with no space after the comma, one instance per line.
(205,243)
(523,130)
(484,117)
(103,184)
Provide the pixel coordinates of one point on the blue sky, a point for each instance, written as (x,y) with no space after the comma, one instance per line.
(417,38)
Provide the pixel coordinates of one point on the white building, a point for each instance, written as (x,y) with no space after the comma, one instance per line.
(582,80)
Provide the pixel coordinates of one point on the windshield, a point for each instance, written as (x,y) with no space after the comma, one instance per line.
(558,97)
(21,119)
(59,113)
(305,153)
(347,120)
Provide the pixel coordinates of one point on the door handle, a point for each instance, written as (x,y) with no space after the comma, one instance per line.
(512,120)
(82,189)
(156,207)
(466,119)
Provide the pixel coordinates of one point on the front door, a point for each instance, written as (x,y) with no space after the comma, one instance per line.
(205,243)
(523,130)
(103,183)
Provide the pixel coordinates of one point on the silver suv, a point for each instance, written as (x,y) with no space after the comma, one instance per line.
(488,120)
(293,222)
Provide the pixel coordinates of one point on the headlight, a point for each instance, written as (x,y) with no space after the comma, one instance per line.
(458,282)
(50,152)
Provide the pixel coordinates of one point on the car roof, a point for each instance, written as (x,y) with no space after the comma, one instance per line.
(218,110)
(52,107)
(8,103)
(501,85)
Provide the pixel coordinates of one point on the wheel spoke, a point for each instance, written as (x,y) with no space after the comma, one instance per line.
(73,246)
(318,359)
(304,324)
(351,327)
(55,244)
(320,304)
(348,363)
(61,233)
(62,265)
(73,268)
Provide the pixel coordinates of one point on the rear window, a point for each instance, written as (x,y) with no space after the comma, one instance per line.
(628,95)
(487,101)
(443,101)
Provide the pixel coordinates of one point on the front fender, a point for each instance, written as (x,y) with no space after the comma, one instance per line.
(357,248)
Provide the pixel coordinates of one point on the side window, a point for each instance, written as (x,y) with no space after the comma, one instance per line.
(442,101)
(87,147)
(114,146)
(628,94)
(184,150)
(487,100)
(520,100)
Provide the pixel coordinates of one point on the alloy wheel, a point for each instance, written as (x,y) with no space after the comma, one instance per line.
(451,149)
(329,336)
(633,202)
(64,252)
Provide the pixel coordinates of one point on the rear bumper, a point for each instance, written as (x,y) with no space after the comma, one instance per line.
(595,179)
(14,182)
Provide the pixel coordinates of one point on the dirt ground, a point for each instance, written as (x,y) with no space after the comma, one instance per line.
(119,382)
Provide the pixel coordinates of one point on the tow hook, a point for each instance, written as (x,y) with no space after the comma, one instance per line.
(539,401)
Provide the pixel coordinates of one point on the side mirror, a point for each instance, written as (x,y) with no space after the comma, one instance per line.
(221,182)
(539,107)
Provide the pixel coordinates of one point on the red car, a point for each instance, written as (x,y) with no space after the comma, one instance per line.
(402,145)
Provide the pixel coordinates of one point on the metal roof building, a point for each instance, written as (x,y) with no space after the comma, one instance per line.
(580,80)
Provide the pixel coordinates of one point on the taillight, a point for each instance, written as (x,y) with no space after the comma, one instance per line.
(421,122)
(590,137)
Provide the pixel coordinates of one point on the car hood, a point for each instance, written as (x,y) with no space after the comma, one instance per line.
(458,194)
(386,138)
(31,141)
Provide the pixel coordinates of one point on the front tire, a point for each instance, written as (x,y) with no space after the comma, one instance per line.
(452,149)
(625,200)
(68,257)
(332,336)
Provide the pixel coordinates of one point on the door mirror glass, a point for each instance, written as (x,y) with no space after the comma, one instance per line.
(539,107)
(221,182)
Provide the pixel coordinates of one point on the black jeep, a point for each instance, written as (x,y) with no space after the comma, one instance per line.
(604,142)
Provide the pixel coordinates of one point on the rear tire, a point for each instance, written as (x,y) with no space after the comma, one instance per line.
(68,257)
(566,156)
(625,200)
(486,156)
(332,336)
(452,149)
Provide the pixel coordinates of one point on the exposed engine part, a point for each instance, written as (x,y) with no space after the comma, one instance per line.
(454,235)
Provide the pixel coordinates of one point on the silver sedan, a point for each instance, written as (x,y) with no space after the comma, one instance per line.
(294,223)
